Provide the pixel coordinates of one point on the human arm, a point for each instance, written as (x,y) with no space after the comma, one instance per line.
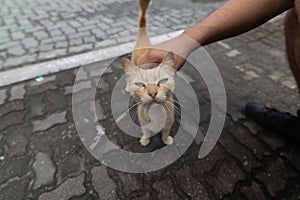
(233,18)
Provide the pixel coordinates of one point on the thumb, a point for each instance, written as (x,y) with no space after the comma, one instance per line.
(147,65)
(146,59)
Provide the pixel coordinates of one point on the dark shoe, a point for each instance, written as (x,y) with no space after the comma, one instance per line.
(270,118)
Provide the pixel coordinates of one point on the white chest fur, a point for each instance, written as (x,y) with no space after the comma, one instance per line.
(158,117)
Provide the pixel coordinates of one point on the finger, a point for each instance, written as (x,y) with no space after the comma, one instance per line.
(144,60)
(147,59)
(148,65)
(179,62)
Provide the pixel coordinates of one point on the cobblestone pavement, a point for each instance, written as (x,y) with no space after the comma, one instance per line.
(32,31)
(42,157)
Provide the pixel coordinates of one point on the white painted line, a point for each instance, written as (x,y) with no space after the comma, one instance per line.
(50,67)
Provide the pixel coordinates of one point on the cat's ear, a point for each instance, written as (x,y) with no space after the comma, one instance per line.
(127,65)
(169,59)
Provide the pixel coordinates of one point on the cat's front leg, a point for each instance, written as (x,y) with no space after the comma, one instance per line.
(166,138)
(145,140)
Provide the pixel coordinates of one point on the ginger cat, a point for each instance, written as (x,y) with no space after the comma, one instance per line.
(151,88)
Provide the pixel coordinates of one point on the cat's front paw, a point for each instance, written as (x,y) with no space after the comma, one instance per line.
(168,140)
(144,141)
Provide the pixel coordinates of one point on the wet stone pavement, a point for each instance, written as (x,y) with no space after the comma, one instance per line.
(42,156)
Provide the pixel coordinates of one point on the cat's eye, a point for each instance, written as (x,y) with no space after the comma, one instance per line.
(163,81)
(140,84)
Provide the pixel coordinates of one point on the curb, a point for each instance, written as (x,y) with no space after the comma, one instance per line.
(70,62)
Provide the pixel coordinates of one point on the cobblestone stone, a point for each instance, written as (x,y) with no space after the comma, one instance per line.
(41,165)
(17,92)
(16,143)
(73,186)
(244,138)
(68,30)
(103,184)
(40,35)
(275,176)
(66,78)
(61,45)
(17,35)
(47,47)
(273,141)
(292,156)
(55,32)
(192,187)
(235,149)
(77,49)
(36,106)
(100,115)
(10,107)
(75,24)
(14,167)
(45,55)
(253,192)
(52,54)
(9,45)
(12,119)
(61,38)
(28,58)
(11,62)
(81,86)
(3,96)
(86,28)
(103,26)
(252,127)
(29,42)
(46,41)
(19,184)
(134,179)
(75,41)
(225,180)
(52,120)
(89,39)
(165,189)
(98,33)
(16,51)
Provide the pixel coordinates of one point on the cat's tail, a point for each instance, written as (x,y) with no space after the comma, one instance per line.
(144,5)
(142,42)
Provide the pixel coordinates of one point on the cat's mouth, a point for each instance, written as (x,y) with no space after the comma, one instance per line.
(155,101)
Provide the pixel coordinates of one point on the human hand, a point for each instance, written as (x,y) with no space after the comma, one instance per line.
(181,46)
(155,56)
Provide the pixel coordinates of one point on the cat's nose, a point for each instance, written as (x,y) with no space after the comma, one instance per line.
(152,94)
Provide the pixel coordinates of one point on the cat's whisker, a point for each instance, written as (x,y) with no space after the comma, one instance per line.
(177,110)
(134,115)
(132,106)
(128,111)
(132,119)
(166,106)
(174,101)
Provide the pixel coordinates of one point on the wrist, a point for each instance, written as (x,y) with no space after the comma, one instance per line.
(197,33)
(186,43)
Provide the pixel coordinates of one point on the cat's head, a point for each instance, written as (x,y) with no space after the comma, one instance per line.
(150,85)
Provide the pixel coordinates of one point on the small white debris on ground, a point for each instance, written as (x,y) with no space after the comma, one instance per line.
(100,133)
